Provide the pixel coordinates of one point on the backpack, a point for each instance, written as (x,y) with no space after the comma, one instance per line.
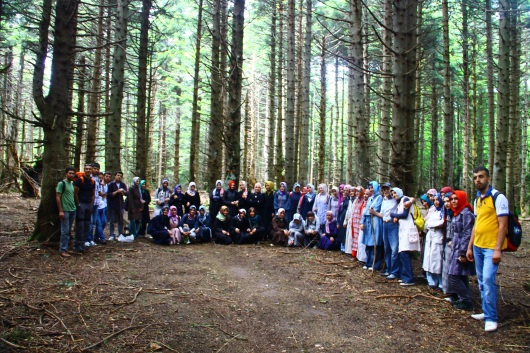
(81,175)
(514,233)
(419,221)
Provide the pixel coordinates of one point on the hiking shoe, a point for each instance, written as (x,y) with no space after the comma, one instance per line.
(406,284)
(391,277)
(478,316)
(461,305)
(490,326)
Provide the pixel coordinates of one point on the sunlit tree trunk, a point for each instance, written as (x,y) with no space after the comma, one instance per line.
(322,115)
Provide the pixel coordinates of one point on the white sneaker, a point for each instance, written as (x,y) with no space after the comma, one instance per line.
(365,267)
(478,316)
(490,326)
(121,238)
(111,238)
(92,243)
(129,239)
(406,284)
(148,236)
(87,244)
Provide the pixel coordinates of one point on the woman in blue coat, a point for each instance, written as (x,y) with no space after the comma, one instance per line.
(372,226)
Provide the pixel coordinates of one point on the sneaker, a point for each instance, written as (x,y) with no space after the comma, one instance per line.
(87,244)
(406,284)
(478,316)
(365,267)
(490,326)
(385,274)
(148,236)
(461,305)
(92,243)
(449,299)
(111,238)
(188,242)
(391,277)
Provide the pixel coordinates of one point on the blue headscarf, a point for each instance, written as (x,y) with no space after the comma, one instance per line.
(425,198)
(375,185)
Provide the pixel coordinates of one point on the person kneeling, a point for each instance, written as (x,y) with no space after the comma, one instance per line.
(240,230)
(329,236)
(312,230)
(159,228)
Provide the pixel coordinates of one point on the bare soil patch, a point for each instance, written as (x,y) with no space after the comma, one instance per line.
(141,297)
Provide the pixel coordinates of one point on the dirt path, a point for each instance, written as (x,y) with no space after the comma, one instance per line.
(141,297)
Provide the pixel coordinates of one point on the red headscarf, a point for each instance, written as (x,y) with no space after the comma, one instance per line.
(462,202)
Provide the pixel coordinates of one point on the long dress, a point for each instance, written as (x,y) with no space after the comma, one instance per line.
(358,238)
(348,219)
(320,207)
(279,225)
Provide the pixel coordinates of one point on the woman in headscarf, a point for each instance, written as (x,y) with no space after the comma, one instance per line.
(135,207)
(320,206)
(459,267)
(257,231)
(409,239)
(358,247)
(281,198)
(242,195)
(240,230)
(189,226)
(191,197)
(268,205)
(230,199)
(162,196)
(159,228)
(294,199)
(221,227)
(347,222)
(433,251)
(296,231)
(312,230)
(174,223)
(307,201)
(205,232)
(329,241)
(341,221)
(145,211)
(372,226)
(216,198)
(333,202)
(426,201)
(257,200)
(177,200)
(341,194)
(448,239)
(280,231)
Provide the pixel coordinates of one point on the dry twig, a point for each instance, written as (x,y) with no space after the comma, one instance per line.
(408,296)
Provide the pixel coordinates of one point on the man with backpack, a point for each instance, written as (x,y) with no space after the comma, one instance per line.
(64,196)
(84,195)
(488,238)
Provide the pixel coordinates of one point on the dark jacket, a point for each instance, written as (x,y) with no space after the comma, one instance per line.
(116,202)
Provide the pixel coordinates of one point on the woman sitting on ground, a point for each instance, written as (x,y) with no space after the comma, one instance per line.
(189,226)
(159,228)
(257,231)
(311,230)
(174,223)
(240,230)
(221,227)
(280,231)
(296,231)
(205,226)
(329,241)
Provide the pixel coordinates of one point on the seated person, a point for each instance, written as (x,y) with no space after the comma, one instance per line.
(329,241)
(221,227)
(240,230)
(296,231)
(257,231)
(280,231)
(189,226)
(205,224)
(159,228)
(311,230)
(174,222)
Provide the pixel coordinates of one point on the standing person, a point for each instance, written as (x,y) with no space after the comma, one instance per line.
(257,201)
(64,196)
(216,198)
(447,247)
(242,195)
(341,221)
(89,239)
(135,207)
(281,199)
(146,196)
(191,198)
(333,202)
(459,267)
(84,195)
(162,197)
(307,201)
(433,251)
(294,199)
(488,238)
(115,204)
(390,234)
(177,200)
(348,222)
(268,205)
(101,201)
(409,238)
(230,199)
(372,226)
(320,206)
(358,246)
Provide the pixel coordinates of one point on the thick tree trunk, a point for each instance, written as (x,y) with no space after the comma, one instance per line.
(403,157)
(467,157)
(176,147)
(523,202)
(272,95)
(491,92)
(113,121)
(235,85)
(195,118)
(503,98)
(448,156)
(247,131)
(279,160)
(290,157)
(386,95)
(78,147)
(434,135)
(306,78)
(54,108)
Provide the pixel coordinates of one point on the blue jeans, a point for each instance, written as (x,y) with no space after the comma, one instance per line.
(115,216)
(101,222)
(66,228)
(378,257)
(406,267)
(486,274)
(391,240)
(93,224)
(82,224)
(134,227)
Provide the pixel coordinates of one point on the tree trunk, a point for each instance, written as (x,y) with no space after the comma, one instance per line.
(272,95)
(386,95)
(113,121)
(235,85)
(247,131)
(491,92)
(503,98)
(322,115)
(290,157)
(279,160)
(403,156)
(523,203)
(176,147)
(195,119)
(448,156)
(334,131)
(54,108)
(434,135)
(78,148)
(467,157)
(304,94)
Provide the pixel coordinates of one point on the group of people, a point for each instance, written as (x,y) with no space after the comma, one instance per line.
(372,224)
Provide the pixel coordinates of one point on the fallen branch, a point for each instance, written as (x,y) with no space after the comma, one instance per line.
(166,346)
(330,274)
(408,296)
(112,335)
(10,344)
(122,303)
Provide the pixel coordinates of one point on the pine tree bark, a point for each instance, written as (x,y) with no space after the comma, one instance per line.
(490,79)
(195,119)
(78,147)
(434,135)
(113,121)
(279,160)
(386,95)
(448,156)
(54,108)
(403,156)
(290,96)
(322,114)
(304,94)
(176,147)
(272,95)
(467,157)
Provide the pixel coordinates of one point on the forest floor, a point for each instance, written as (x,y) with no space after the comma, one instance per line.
(140,297)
